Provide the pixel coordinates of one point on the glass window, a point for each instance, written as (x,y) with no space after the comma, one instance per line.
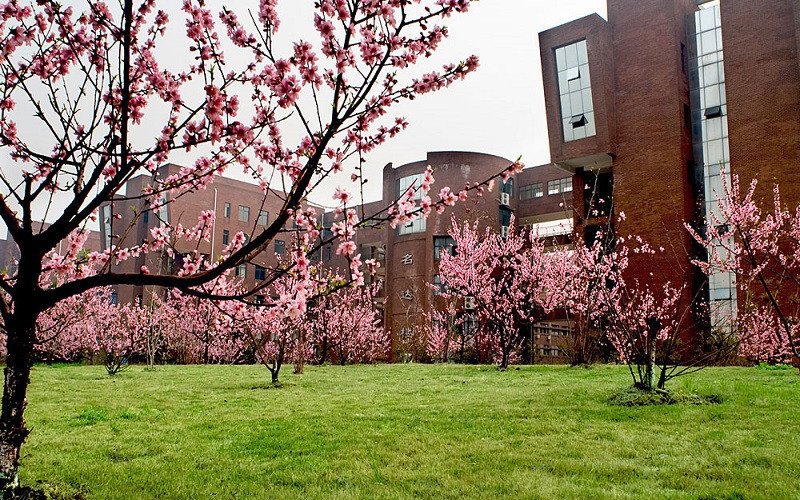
(280,247)
(227,210)
(559,186)
(411,181)
(573,73)
(438,286)
(263,218)
(531,191)
(443,244)
(418,225)
(505,216)
(244,213)
(241,271)
(575,91)
(106,226)
(508,187)
(226,235)
(261,273)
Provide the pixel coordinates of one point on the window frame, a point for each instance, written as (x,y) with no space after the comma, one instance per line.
(244,210)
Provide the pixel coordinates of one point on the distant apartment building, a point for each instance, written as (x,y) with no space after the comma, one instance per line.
(239,207)
(649,109)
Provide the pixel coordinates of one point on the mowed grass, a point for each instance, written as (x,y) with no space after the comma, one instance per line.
(408,431)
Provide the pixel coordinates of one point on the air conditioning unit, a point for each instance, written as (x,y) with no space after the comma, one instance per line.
(505,199)
(504,230)
(469,303)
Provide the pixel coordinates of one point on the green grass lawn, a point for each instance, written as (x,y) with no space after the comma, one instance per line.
(408,431)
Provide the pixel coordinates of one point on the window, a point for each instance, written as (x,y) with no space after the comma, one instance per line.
(531,191)
(578,121)
(244,213)
(263,218)
(227,211)
(508,187)
(573,73)
(280,247)
(114,297)
(559,186)
(163,214)
(505,216)
(146,217)
(106,226)
(226,236)
(261,273)
(411,181)
(575,91)
(403,184)
(443,244)
(713,112)
(241,271)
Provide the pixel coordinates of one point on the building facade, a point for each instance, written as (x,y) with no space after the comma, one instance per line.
(539,197)
(651,109)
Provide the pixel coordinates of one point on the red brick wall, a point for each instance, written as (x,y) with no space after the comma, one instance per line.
(763,87)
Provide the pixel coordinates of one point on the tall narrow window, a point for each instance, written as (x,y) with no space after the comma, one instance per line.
(403,185)
(225,236)
(227,210)
(280,247)
(263,218)
(442,244)
(575,91)
(241,271)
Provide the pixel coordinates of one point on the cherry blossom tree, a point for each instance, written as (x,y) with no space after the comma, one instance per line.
(757,239)
(445,331)
(655,325)
(112,333)
(274,332)
(197,330)
(510,280)
(761,338)
(346,325)
(89,100)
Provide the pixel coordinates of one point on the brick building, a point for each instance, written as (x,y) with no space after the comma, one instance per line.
(650,106)
(239,206)
(539,196)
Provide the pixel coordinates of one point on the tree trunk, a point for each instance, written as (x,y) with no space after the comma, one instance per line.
(323,351)
(17,377)
(300,359)
(504,360)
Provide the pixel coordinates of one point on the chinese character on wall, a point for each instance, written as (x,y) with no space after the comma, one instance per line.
(408,259)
